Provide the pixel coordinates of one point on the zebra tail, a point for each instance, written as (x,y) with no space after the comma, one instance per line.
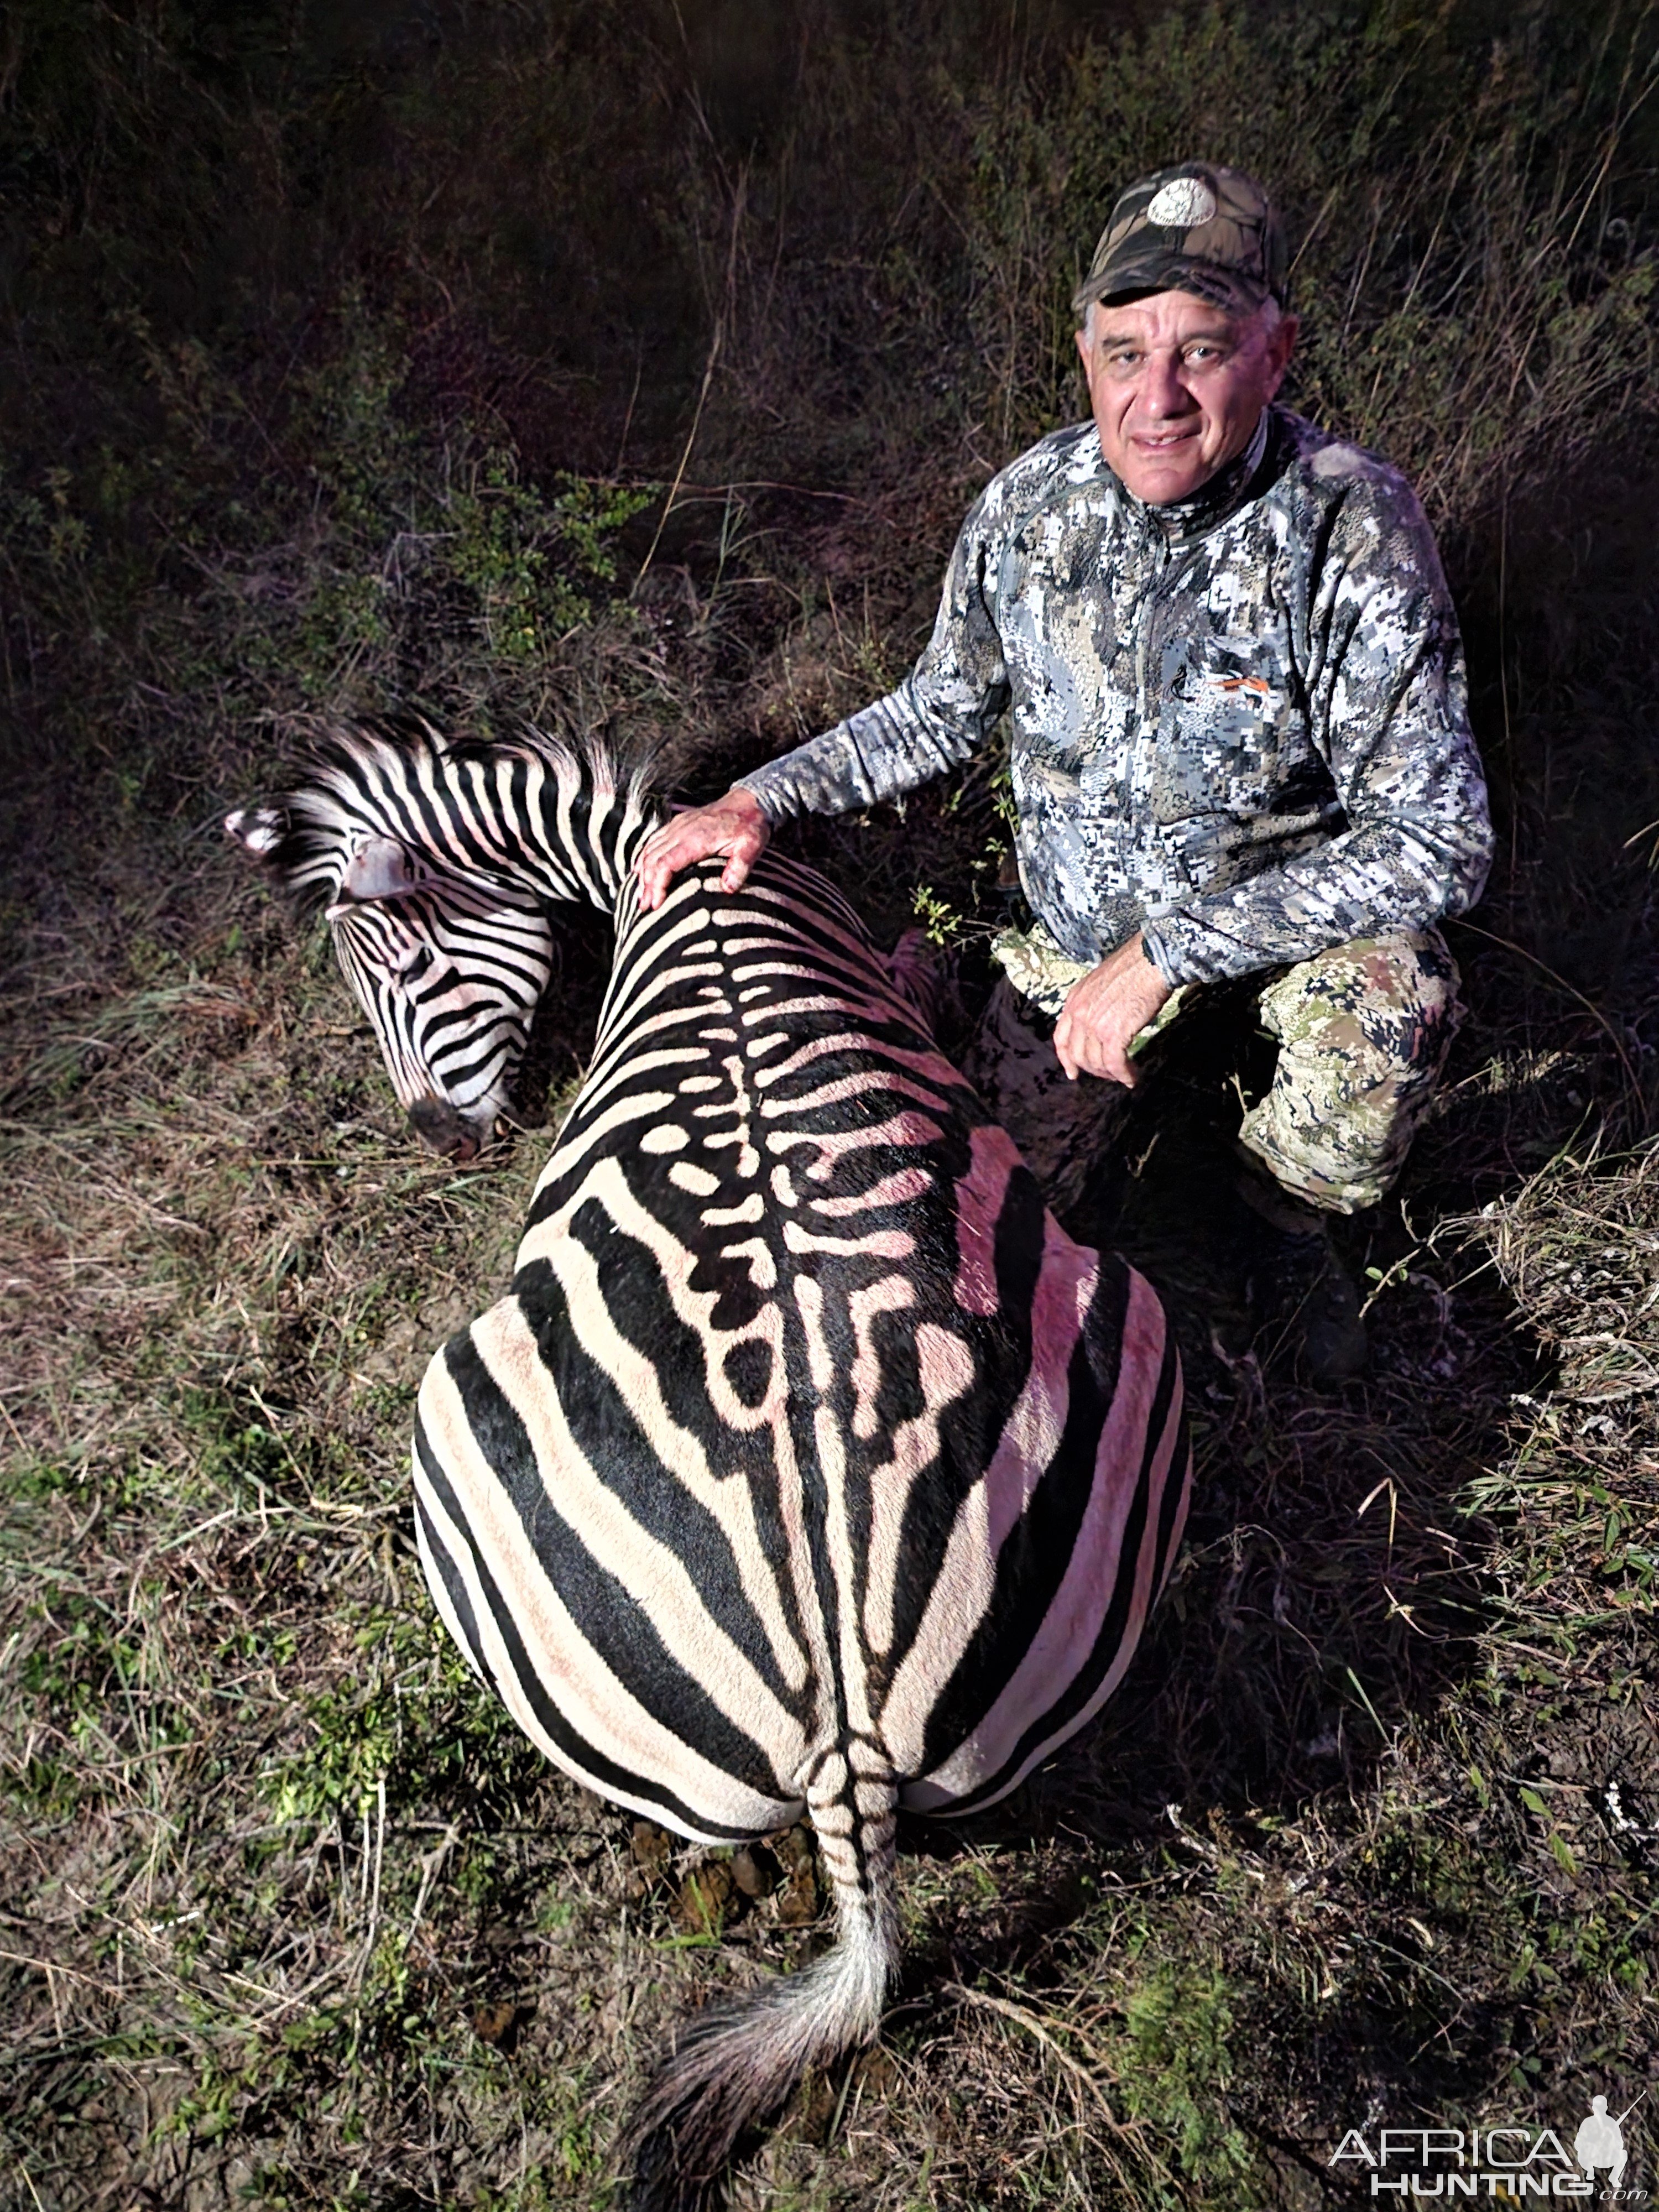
(733,2064)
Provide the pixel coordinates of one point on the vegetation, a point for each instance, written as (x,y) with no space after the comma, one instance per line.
(630,369)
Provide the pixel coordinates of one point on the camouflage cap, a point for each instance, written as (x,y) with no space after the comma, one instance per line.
(1192,229)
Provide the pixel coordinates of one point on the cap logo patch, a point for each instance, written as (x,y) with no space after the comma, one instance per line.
(1184,202)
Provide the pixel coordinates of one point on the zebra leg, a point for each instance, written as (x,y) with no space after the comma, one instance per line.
(736,2063)
(912,967)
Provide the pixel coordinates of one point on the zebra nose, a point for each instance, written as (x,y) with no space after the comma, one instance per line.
(442,1130)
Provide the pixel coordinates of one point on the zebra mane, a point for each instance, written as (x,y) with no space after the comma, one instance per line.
(367,779)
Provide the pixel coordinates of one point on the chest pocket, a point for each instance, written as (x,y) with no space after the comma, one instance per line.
(1227,732)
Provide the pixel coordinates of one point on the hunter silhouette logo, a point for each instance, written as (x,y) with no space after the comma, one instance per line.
(1507,2161)
(1600,2141)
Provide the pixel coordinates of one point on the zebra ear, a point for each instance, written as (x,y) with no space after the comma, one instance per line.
(257,830)
(378,869)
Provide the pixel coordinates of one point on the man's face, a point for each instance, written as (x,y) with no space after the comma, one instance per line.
(1177,387)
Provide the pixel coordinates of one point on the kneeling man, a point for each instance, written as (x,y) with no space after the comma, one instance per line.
(1240,741)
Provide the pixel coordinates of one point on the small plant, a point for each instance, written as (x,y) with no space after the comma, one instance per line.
(532,563)
(943,923)
(1175,2065)
(353,1745)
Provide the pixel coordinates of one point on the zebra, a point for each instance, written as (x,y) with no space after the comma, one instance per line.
(807,1465)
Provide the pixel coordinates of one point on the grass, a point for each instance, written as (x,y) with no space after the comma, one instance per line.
(346,366)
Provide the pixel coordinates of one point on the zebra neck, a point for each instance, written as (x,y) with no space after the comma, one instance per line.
(558,826)
(590,857)
(581,833)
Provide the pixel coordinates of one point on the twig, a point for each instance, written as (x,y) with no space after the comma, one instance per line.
(628,419)
(431,1865)
(1589,1005)
(5,1415)
(799,491)
(371,1882)
(1034,2028)
(715,344)
(50,1966)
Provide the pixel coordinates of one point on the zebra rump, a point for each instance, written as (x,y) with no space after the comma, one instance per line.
(807,1465)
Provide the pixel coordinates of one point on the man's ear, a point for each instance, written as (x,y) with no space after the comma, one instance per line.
(257,830)
(1283,345)
(378,869)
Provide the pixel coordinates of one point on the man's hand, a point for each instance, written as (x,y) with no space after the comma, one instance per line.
(734,825)
(1105,1010)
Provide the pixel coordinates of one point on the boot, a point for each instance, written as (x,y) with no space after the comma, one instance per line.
(1299,1274)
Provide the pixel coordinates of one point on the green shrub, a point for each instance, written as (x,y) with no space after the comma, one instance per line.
(1175,2064)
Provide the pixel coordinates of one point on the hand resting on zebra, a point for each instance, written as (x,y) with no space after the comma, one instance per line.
(807,1465)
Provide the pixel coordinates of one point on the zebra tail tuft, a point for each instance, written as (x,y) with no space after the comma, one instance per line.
(732,2065)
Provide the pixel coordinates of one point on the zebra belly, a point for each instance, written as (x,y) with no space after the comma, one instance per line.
(574,1615)
(1035,1691)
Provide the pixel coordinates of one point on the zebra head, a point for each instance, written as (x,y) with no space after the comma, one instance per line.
(436,864)
(449,975)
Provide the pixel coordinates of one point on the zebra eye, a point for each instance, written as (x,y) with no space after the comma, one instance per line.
(382,944)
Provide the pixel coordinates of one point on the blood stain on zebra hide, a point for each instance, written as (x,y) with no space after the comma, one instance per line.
(807,1468)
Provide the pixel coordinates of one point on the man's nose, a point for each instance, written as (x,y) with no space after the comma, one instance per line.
(1162,391)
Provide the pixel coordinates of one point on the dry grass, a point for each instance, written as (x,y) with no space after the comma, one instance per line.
(294,1916)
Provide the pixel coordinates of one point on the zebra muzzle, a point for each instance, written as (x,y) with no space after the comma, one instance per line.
(442,1130)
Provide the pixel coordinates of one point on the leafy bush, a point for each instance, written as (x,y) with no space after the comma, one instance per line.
(1177,2066)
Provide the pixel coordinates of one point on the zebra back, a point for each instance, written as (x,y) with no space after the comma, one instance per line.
(852,1425)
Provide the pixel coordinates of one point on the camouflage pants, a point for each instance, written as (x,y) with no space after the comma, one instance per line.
(1363,1034)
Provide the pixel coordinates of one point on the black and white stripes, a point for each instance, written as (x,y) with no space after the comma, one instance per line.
(807,1463)
(438,863)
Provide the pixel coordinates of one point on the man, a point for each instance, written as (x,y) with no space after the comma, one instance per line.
(1239,737)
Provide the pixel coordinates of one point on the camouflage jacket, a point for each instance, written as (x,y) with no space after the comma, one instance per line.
(1237,722)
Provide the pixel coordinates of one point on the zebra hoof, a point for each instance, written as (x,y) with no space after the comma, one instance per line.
(442,1130)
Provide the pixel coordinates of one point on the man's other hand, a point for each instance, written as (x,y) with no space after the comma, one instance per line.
(1105,1011)
(734,825)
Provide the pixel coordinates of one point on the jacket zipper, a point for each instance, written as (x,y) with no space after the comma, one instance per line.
(1171,564)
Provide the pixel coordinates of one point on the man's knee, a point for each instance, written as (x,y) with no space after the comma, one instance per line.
(1363,1030)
